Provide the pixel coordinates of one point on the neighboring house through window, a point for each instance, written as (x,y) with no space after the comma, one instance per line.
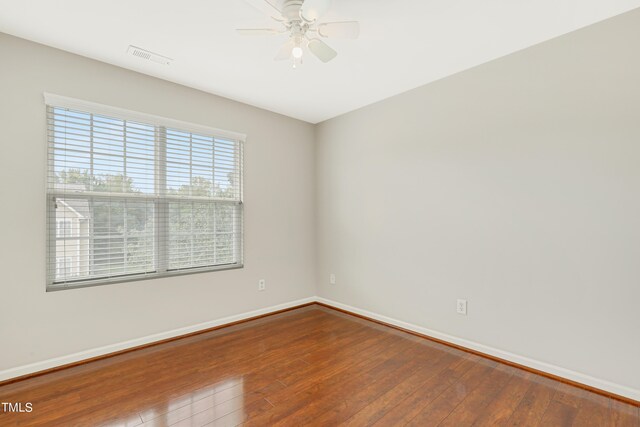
(63,228)
(63,266)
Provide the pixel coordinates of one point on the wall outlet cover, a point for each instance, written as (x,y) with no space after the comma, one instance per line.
(461,307)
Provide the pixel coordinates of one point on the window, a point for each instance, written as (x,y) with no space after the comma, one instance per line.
(63,266)
(133,196)
(63,228)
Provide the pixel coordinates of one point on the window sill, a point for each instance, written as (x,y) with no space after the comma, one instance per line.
(53,287)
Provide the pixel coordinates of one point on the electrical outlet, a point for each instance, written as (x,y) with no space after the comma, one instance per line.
(461,307)
(262,285)
(332,279)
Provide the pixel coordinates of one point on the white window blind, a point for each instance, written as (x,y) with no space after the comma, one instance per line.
(131,196)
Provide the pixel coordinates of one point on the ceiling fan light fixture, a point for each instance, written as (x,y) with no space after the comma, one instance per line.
(296,52)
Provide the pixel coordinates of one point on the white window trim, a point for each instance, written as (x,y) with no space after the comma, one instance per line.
(60,101)
(121,113)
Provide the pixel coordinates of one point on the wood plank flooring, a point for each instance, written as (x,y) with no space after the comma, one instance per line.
(308,367)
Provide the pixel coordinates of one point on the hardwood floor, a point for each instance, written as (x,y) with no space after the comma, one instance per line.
(310,366)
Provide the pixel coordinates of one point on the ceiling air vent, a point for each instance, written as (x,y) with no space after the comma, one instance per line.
(149,56)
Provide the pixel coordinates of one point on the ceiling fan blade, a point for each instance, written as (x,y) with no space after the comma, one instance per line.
(285,51)
(347,30)
(268,7)
(314,9)
(322,50)
(257,31)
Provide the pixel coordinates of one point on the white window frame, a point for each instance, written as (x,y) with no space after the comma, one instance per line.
(52,100)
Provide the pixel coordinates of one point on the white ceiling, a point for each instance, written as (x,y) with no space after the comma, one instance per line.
(403,44)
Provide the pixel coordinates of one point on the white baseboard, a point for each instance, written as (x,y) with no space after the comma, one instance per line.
(101,351)
(515,358)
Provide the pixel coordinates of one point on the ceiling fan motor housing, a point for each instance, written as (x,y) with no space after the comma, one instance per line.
(291,9)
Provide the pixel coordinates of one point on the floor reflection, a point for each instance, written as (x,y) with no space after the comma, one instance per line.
(200,406)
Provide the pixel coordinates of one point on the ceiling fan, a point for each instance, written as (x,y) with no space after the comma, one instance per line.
(300,20)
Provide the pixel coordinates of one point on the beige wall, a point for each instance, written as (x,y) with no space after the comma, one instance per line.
(279,212)
(515,185)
